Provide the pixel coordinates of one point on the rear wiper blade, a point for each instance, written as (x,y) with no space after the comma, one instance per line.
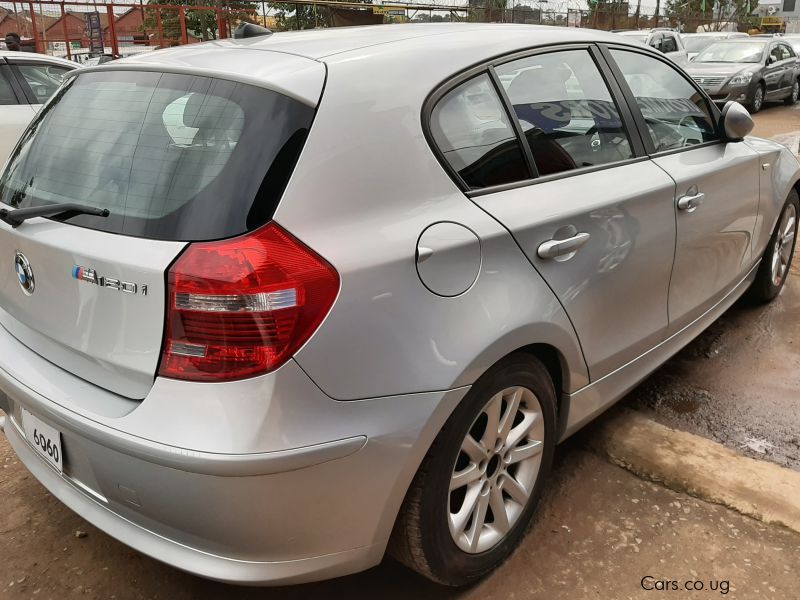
(18,216)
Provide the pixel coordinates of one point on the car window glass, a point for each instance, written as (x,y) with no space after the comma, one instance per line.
(172,156)
(789,51)
(473,132)
(669,44)
(676,113)
(6,91)
(775,53)
(785,52)
(43,79)
(565,110)
(656,41)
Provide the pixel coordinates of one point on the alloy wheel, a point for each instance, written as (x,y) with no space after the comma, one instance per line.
(795,91)
(784,244)
(758,99)
(496,470)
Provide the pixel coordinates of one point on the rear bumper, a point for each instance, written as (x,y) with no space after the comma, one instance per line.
(298,488)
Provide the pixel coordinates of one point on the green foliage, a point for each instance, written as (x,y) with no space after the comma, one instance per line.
(303,16)
(200,23)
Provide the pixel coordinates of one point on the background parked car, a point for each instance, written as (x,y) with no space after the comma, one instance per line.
(695,42)
(664,40)
(27,80)
(751,71)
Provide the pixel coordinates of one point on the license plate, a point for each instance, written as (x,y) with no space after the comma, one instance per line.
(45,439)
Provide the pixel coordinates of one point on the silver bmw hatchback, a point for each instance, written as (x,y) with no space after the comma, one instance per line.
(277,305)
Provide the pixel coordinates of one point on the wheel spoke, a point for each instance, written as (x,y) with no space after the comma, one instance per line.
(529,450)
(516,435)
(489,438)
(478,519)
(464,477)
(788,229)
(512,406)
(459,520)
(513,488)
(498,504)
(474,449)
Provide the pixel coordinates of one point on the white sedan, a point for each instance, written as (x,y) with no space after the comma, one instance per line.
(27,80)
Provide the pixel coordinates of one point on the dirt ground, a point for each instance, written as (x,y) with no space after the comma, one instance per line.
(600,531)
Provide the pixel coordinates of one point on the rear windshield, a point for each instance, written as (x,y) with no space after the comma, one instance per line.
(172,157)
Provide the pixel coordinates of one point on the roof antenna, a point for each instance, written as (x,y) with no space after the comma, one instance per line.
(248,30)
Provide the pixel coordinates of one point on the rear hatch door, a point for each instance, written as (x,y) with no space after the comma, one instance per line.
(175,158)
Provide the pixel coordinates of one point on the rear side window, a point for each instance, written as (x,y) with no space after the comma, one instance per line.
(676,113)
(173,157)
(475,136)
(565,110)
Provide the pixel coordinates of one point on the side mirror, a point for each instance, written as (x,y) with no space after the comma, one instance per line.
(736,122)
(771,59)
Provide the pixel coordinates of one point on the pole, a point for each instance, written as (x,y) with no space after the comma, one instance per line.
(160,28)
(184,33)
(658,11)
(36,43)
(64,30)
(113,31)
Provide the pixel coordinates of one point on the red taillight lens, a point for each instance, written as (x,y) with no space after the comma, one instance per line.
(241,307)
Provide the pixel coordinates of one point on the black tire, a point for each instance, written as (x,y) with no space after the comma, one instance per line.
(793,95)
(421,538)
(764,288)
(755,104)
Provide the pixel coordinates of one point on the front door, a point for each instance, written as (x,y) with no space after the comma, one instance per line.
(717,184)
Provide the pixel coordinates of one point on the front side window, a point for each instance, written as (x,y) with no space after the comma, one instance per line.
(566,111)
(43,79)
(173,157)
(676,113)
(475,136)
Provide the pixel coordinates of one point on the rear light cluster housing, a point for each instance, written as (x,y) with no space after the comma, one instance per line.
(242,307)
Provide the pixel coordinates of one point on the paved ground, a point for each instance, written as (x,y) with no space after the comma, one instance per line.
(739,382)
(600,531)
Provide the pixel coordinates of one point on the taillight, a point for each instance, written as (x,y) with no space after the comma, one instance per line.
(241,307)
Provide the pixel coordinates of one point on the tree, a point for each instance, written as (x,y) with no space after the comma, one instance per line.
(200,23)
(714,15)
(303,16)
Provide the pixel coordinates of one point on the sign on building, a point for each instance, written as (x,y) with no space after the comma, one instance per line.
(94,31)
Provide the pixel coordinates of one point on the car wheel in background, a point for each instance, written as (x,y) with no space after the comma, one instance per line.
(777,258)
(792,98)
(478,487)
(758,99)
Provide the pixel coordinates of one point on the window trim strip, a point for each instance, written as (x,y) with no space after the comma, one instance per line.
(527,151)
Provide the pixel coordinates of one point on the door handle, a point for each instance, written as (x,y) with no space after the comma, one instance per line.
(689,203)
(556,248)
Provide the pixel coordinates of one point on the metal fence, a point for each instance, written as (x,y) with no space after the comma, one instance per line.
(78,30)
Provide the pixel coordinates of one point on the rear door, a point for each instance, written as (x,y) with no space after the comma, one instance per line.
(717,197)
(594,217)
(175,159)
(15,112)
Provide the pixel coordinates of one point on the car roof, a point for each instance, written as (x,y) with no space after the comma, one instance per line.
(318,44)
(293,62)
(35,56)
